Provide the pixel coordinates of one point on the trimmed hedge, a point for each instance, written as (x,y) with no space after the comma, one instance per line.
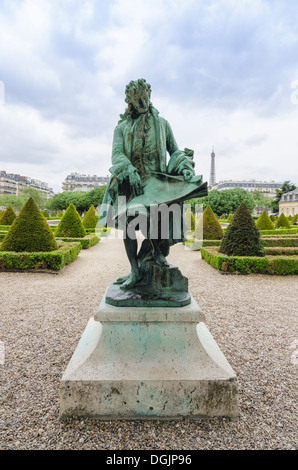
(281,250)
(38,261)
(86,242)
(212,229)
(242,237)
(245,264)
(90,219)
(8,217)
(267,242)
(264,222)
(279,231)
(282,221)
(29,232)
(71,224)
(283,241)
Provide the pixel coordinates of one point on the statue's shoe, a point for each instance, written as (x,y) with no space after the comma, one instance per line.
(122,279)
(131,280)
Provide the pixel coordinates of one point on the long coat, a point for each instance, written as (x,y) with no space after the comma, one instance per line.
(165,186)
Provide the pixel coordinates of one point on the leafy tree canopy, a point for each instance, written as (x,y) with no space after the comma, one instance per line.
(80,199)
(226,201)
(262,202)
(17,202)
(286,187)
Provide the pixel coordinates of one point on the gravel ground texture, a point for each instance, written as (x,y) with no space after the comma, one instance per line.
(253,318)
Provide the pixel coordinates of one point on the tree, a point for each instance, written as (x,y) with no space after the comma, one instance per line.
(282,222)
(286,187)
(80,199)
(226,201)
(211,227)
(91,218)
(29,232)
(262,202)
(190,220)
(17,202)
(242,237)
(71,225)
(264,222)
(8,216)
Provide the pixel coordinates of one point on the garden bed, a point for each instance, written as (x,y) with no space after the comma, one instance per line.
(270,264)
(86,242)
(280,231)
(52,261)
(100,232)
(280,241)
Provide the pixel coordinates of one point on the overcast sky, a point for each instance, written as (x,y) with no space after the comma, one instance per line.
(224,73)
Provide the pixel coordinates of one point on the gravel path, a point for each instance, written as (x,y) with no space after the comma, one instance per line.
(253,319)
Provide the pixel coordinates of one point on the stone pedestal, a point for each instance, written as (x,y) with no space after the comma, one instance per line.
(148,363)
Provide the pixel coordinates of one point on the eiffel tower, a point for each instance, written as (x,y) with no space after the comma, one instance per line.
(212,179)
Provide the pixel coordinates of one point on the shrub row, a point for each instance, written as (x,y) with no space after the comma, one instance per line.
(86,242)
(245,264)
(54,260)
(279,231)
(281,250)
(283,241)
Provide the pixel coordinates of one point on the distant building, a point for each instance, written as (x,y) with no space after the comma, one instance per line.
(289,203)
(266,187)
(11,183)
(77,182)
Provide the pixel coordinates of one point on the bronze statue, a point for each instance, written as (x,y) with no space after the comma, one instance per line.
(142,175)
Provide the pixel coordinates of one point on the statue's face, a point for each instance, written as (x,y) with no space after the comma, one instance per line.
(140,101)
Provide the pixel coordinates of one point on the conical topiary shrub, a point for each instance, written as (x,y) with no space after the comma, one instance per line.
(71,225)
(53,214)
(211,227)
(60,215)
(282,222)
(229,219)
(242,237)
(90,218)
(29,232)
(295,218)
(45,213)
(190,220)
(8,216)
(264,222)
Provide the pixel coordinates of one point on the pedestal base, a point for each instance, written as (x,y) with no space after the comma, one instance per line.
(148,363)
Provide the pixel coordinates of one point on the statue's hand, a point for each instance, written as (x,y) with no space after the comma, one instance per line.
(135,183)
(188,174)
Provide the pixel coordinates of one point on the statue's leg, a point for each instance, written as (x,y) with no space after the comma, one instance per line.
(131,247)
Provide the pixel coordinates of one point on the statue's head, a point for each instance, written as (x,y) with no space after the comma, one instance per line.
(138,94)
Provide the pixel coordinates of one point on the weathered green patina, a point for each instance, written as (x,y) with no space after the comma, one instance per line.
(148,184)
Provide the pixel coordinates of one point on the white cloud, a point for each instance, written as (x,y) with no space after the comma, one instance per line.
(221,73)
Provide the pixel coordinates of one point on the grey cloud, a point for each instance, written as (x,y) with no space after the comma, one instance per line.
(255,140)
